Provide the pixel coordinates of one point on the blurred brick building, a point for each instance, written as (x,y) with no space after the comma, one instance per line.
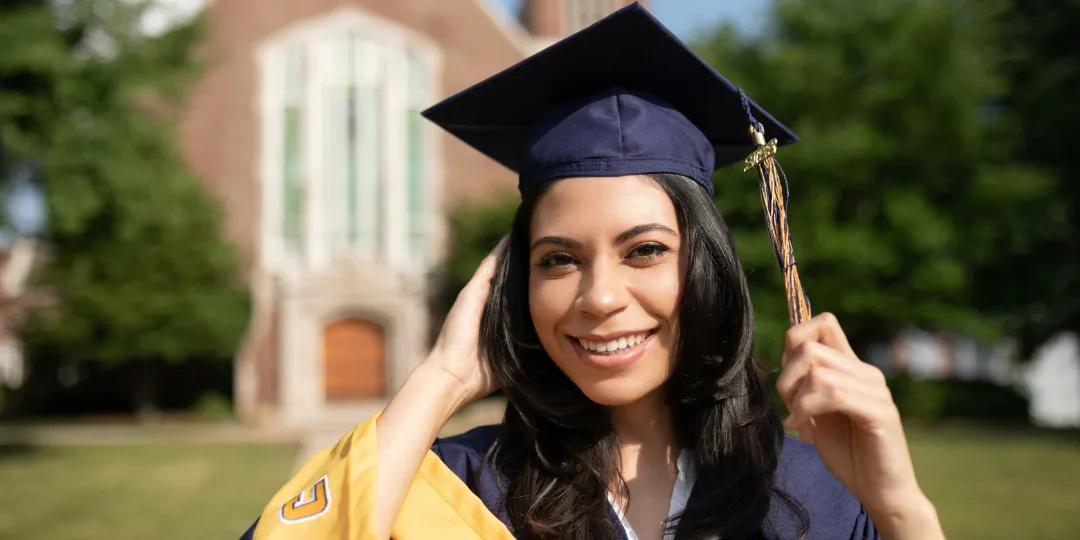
(18,260)
(306,126)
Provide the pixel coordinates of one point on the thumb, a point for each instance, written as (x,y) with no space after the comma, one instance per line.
(475,293)
(486,271)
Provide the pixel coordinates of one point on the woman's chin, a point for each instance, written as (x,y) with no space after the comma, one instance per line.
(615,393)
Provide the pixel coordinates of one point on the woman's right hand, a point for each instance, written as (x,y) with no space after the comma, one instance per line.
(452,376)
(457,349)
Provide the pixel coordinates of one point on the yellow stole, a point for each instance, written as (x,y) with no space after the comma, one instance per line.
(333,497)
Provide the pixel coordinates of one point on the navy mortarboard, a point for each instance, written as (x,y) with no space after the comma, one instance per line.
(623,97)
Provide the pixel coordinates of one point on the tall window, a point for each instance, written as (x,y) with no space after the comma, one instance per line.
(292,173)
(347,171)
(415,169)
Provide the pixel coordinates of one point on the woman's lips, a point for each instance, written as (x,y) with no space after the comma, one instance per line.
(619,359)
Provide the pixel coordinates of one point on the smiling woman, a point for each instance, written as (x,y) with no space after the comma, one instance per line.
(614,274)
(616,319)
(596,282)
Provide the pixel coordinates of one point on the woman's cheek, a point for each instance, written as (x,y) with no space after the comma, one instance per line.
(549,301)
(658,290)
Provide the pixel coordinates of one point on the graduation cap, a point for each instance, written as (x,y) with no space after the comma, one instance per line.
(624,97)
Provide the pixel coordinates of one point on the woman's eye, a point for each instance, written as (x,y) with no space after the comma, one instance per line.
(556,260)
(648,251)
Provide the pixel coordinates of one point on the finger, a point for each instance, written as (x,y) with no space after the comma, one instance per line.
(828,391)
(486,271)
(500,247)
(798,361)
(802,359)
(823,328)
(805,430)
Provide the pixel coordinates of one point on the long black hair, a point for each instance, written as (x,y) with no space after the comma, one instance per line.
(557,447)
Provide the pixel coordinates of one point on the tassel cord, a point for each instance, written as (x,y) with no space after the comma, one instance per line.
(775,192)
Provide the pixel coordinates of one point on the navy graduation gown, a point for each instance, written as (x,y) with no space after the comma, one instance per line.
(456,496)
(834,513)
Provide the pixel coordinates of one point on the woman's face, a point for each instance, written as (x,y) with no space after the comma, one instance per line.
(604,284)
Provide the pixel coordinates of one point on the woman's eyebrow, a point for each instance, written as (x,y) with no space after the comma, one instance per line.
(642,229)
(563,241)
(570,243)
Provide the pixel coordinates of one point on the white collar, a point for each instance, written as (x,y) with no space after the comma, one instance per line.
(680,493)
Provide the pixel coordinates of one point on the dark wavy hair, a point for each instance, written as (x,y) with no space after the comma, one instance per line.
(557,448)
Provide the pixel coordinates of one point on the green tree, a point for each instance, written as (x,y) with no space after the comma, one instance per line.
(30,79)
(901,182)
(1044,75)
(137,261)
(475,229)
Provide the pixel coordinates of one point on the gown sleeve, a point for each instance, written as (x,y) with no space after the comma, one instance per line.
(333,497)
(864,528)
(831,511)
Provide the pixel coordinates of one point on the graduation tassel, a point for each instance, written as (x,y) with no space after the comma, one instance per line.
(772,202)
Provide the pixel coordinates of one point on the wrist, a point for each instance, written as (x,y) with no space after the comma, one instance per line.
(446,392)
(914,518)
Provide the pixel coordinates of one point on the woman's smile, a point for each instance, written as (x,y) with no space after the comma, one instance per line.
(615,352)
(605,281)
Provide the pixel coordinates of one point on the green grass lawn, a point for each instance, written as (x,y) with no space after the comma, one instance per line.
(137,492)
(986,487)
(1001,485)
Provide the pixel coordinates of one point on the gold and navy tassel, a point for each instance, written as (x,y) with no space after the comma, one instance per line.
(773,203)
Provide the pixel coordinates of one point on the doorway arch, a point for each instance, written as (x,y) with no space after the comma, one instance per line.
(354,360)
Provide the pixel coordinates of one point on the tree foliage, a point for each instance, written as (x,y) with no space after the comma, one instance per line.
(1043,74)
(136,257)
(902,186)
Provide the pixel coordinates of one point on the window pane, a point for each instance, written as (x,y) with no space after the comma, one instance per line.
(292,150)
(415,153)
(336,121)
(352,165)
(369,148)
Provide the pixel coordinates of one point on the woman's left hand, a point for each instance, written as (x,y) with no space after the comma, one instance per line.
(842,405)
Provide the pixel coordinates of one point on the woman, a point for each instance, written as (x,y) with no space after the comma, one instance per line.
(616,319)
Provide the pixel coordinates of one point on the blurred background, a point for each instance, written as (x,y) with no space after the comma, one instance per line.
(228,235)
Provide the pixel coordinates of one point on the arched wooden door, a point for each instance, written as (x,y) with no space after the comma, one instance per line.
(354,356)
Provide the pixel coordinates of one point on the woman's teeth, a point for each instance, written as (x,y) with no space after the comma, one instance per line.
(615,344)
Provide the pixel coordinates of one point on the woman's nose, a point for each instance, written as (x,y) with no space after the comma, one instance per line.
(603,291)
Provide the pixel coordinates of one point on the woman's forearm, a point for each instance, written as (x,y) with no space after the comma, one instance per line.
(917,520)
(405,432)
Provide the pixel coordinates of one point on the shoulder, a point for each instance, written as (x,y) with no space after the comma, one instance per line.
(833,511)
(466,456)
(802,473)
(469,446)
